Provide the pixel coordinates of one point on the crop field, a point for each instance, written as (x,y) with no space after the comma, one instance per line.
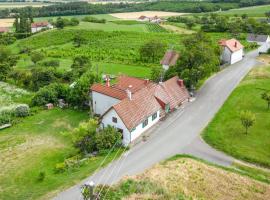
(21,5)
(255,11)
(6,22)
(226,133)
(136,15)
(106,47)
(155,28)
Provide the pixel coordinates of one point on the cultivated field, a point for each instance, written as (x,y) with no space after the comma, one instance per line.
(21,5)
(188,178)
(6,22)
(136,15)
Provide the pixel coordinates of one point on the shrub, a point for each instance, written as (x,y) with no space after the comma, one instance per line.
(22,110)
(41,176)
(106,138)
(37,56)
(60,167)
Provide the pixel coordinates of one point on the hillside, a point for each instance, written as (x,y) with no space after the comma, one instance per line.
(187,178)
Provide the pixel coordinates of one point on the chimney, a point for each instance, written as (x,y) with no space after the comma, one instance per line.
(108,81)
(235,44)
(180,83)
(146,81)
(129,93)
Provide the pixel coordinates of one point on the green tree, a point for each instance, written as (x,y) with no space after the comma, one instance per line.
(37,56)
(152,51)
(60,23)
(83,136)
(266,97)
(4,71)
(247,119)
(78,40)
(106,138)
(41,77)
(199,59)
(79,95)
(80,65)
(157,73)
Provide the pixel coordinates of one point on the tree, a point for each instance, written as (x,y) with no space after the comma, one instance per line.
(78,40)
(247,119)
(4,71)
(190,23)
(60,24)
(266,97)
(74,21)
(37,56)
(107,138)
(199,59)
(79,95)
(152,51)
(157,73)
(80,65)
(41,77)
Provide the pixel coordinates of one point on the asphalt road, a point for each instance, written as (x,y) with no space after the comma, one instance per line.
(178,134)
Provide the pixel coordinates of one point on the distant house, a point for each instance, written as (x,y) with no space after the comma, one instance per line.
(38,26)
(134,105)
(4,30)
(262,40)
(232,51)
(143,19)
(154,19)
(169,59)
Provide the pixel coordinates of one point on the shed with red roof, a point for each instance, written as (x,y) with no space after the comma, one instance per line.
(232,51)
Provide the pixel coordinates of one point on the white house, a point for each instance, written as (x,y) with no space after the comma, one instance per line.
(144,19)
(38,26)
(134,105)
(232,51)
(154,19)
(169,59)
(262,40)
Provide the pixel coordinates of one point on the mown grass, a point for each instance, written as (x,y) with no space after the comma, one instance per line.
(36,145)
(226,133)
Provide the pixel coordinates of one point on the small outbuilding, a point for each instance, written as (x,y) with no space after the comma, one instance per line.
(232,51)
(169,59)
(262,40)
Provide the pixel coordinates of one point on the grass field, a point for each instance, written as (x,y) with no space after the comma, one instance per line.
(184,177)
(255,11)
(226,133)
(36,145)
(21,5)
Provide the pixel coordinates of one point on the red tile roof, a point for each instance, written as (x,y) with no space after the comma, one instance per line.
(109,91)
(144,101)
(135,111)
(4,29)
(39,24)
(170,58)
(233,45)
(124,83)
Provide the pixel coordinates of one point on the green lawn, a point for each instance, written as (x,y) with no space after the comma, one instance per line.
(226,133)
(255,11)
(36,145)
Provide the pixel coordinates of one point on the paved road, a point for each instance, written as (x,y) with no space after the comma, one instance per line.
(180,133)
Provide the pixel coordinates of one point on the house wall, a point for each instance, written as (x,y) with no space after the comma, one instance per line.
(139,129)
(127,135)
(34,30)
(226,55)
(237,56)
(264,47)
(101,103)
(107,120)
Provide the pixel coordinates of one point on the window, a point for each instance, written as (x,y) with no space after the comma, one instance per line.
(132,130)
(114,119)
(154,116)
(167,108)
(145,123)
